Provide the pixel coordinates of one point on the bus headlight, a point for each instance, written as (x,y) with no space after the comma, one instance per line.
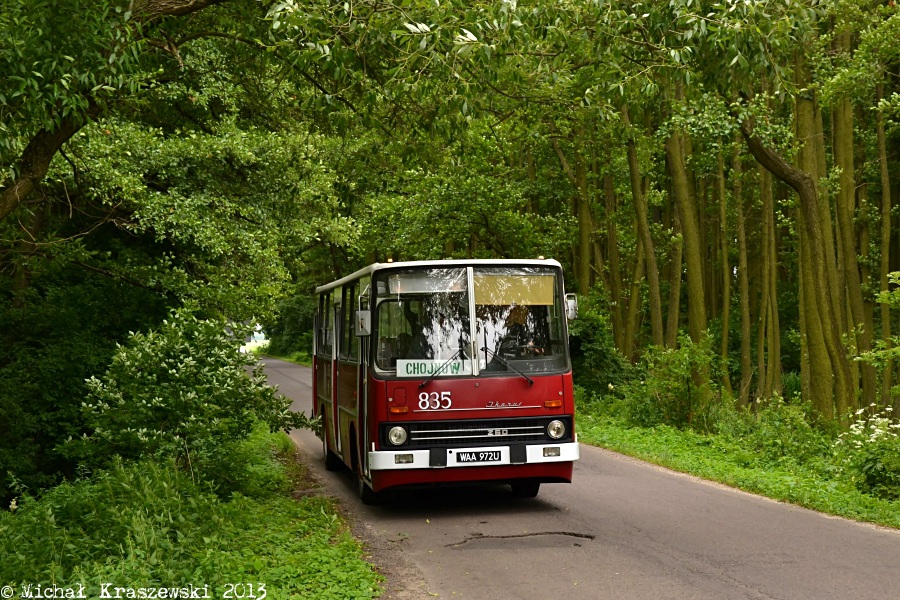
(397,436)
(556,429)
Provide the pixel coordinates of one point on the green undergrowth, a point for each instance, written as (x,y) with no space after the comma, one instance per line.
(147,524)
(298,357)
(771,471)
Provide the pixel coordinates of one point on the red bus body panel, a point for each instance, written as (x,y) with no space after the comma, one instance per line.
(491,397)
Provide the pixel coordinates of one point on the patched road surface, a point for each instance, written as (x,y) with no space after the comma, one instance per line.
(622,530)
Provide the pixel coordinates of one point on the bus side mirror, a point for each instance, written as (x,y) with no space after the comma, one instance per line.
(363,322)
(571,307)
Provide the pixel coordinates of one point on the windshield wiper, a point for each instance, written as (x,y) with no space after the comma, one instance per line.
(440,369)
(507,364)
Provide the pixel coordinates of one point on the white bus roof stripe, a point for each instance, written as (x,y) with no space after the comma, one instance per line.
(474,262)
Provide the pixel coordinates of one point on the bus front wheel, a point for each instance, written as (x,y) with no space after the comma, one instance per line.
(525,489)
(366,493)
(332,462)
(363,490)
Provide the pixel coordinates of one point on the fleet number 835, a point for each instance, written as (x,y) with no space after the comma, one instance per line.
(434,401)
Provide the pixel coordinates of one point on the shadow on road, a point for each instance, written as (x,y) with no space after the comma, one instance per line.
(490,499)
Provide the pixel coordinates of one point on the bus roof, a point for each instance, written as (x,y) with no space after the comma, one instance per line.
(470,262)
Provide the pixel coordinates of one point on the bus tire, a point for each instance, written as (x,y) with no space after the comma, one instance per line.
(368,496)
(525,489)
(332,461)
(363,490)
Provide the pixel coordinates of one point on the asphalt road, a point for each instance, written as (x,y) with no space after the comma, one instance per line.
(622,530)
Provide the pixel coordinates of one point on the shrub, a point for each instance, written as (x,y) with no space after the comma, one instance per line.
(791,385)
(291,330)
(183,392)
(777,431)
(248,466)
(597,363)
(670,393)
(128,511)
(147,524)
(64,331)
(869,452)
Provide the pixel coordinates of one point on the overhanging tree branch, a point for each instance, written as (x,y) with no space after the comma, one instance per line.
(150,10)
(34,162)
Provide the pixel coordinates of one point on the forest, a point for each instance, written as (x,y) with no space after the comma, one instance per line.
(719,180)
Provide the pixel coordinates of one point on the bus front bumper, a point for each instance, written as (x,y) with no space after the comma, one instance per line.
(440,458)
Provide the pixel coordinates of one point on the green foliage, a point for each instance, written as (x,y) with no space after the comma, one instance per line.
(47,73)
(670,392)
(791,385)
(777,431)
(211,209)
(147,524)
(300,357)
(183,393)
(63,330)
(291,330)
(869,452)
(883,352)
(597,365)
(247,466)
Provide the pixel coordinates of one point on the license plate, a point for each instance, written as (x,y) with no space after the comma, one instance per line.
(478,456)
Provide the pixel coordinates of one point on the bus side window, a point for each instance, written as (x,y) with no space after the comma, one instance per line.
(326,325)
(349,349)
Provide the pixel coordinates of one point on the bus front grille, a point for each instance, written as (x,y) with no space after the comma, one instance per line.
(488,432)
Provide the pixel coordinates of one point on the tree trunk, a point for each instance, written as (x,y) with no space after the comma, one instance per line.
(887,373)
(585,229)
(845,209)
(634,304)
(726,270)
(814,151)
(690,227)
(820,322)
(35,161)
(744,283)
(582,252)
(773,341)
(674,314)
(612,257)
(763,323)
(643,224)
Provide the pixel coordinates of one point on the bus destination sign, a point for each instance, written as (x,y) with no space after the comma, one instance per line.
(428,368)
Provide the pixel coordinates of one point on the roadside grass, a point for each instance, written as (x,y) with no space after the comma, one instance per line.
(148,524)
(299,357)
(812,483)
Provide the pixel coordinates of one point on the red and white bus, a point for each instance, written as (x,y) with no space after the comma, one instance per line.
(450,371)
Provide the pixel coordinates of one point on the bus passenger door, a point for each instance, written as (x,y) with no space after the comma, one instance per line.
(362,379)
(324,368)
(334,413)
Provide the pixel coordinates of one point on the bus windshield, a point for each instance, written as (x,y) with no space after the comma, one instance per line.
(424,324)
